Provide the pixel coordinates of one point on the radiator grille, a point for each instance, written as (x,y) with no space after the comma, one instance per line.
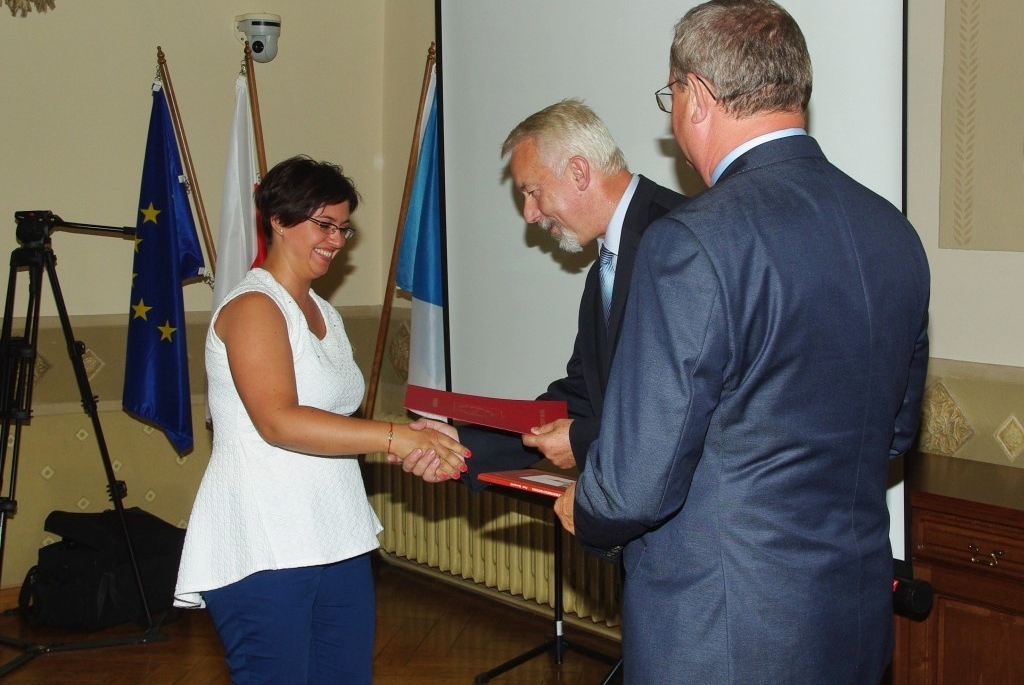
(497,541)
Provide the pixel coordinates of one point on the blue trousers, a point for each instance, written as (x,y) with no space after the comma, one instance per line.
(312,625)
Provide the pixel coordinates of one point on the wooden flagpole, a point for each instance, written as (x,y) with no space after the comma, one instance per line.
(186,156)
(254,107)
(389,294)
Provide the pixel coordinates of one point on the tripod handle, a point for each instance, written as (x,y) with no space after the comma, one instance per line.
(121,230)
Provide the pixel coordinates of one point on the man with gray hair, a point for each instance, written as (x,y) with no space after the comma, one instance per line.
(576,185)
(772,361)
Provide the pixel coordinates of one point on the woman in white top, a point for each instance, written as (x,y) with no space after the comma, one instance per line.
(278,540)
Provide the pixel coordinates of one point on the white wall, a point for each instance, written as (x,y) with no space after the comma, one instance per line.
(502,61)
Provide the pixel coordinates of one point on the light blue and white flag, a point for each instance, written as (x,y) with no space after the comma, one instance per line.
(420,266)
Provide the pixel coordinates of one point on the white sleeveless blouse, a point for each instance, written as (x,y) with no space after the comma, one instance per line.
(260,507)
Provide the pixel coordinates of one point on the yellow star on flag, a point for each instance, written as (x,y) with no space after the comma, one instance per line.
(150,213)
(140,310)
(166,330)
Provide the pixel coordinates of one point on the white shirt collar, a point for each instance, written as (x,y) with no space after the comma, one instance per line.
(613,233)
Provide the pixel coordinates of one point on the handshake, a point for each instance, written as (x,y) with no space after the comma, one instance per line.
(431,450)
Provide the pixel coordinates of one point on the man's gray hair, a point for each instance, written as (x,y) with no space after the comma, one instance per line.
(565,130)
(751,52)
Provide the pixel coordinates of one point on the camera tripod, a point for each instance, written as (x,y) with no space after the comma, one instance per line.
(17,365)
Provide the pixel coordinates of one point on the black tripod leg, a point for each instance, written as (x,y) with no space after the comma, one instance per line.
(75,351)
(18,373)
(613,674)
(486,676)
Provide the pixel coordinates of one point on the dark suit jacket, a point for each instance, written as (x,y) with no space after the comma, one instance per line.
(772,360)
(587,371)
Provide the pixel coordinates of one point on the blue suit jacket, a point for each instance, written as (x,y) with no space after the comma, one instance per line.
(583,386)
(772,361)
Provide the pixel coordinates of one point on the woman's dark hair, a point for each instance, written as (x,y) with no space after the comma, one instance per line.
(296,188)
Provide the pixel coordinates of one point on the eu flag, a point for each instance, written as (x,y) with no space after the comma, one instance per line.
(167,253)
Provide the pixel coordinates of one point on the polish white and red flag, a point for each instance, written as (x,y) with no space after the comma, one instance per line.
(240,244)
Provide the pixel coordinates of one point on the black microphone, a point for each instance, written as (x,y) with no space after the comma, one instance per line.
(911,597)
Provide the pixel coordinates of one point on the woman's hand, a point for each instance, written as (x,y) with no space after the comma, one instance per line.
(425,465)
(429,454)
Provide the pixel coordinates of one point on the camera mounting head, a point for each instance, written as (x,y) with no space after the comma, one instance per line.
(35,226)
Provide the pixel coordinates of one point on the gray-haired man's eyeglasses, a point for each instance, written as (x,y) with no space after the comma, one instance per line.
(664,96)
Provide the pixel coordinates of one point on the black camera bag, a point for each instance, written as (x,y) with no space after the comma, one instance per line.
(86,581)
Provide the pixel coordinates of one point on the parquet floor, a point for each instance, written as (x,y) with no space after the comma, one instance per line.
(428,633)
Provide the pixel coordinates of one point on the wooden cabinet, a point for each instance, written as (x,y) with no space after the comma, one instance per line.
(967,540)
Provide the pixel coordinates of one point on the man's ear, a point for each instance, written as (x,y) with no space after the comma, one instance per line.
(700,99)
(579,167)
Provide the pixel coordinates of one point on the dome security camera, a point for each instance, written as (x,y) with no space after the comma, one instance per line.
(261,30)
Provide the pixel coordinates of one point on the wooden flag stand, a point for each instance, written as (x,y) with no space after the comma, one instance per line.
(389,293)
(254,107)
(186,158)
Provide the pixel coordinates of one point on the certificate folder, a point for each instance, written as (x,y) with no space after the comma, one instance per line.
(531,480)
(517,416)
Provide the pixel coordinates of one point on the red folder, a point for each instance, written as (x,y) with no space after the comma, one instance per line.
(532,480)
(517,416)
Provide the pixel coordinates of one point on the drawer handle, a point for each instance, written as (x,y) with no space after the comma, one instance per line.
(991,559)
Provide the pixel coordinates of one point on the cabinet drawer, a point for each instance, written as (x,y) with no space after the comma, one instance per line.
(969,544)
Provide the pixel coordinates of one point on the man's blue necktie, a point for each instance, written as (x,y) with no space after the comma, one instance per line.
(607,271)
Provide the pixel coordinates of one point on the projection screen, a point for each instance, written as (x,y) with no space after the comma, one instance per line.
(512,296)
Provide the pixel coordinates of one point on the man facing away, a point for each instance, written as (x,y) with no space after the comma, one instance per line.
(771,362)
(575,184)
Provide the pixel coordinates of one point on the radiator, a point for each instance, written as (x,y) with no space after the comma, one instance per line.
(497,541)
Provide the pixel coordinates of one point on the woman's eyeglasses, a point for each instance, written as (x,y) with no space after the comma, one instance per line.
(330,229)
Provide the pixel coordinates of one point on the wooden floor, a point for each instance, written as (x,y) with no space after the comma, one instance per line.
(428,633)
